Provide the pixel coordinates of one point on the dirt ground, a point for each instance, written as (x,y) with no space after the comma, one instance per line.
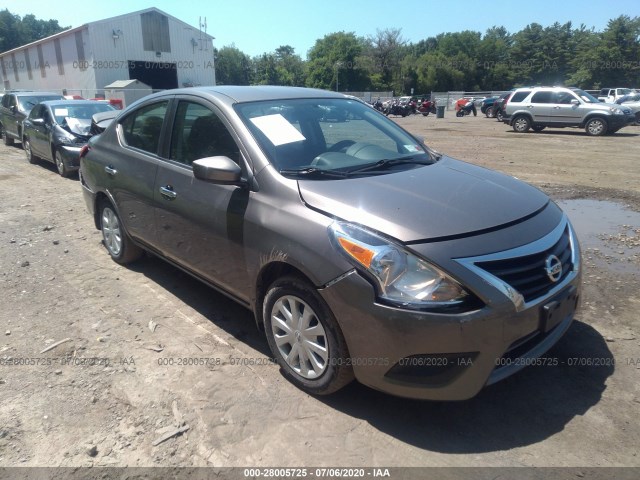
(149,349)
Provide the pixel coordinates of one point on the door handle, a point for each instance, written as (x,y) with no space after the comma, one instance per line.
(168,192)
(110,170)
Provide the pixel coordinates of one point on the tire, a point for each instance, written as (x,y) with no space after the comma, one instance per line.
(538,128)
(60,165)
(460,113)
(26,144)
(7,141)
(521,124)
(120,247)
(425,114)
(305,338)
(489,113)
(596,126)
(499,116)
(637,118)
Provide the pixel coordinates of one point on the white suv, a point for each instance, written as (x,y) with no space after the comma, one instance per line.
(540,107)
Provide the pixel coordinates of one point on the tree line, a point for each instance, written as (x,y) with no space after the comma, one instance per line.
(16,31)
(560,54)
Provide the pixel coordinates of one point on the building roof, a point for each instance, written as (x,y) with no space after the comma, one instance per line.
(126,83)
(88,24)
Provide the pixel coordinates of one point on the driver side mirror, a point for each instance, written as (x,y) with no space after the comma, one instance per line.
(221,170)
(575,102)
(37,121)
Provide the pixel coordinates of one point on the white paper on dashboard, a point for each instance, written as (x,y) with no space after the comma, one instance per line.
(277,129)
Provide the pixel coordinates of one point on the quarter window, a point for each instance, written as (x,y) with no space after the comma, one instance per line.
(142,128)
(519,96)
(541,97)
(199,133)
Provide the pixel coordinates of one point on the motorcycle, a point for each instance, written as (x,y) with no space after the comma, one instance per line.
(465,108)
(378,105)
(427,107)
(396,109)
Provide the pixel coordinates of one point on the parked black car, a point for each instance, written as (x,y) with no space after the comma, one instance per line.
(15,108)
(485,106)
(497,109)
(57,130)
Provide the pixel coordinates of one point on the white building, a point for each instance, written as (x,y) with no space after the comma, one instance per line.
(150,46)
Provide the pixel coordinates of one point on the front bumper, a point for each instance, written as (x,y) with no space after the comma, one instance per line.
(70,156)
(439,356)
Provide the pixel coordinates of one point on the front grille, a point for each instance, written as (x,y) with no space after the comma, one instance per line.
(528,274)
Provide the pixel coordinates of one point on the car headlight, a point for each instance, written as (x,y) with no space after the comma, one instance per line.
(401,277)
(617,111)
(63,139)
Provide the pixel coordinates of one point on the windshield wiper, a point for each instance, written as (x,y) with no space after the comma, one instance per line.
(386,163)
(313,172)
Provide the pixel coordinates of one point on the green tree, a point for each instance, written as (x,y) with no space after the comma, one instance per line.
(233,67)
(336,62)
(16,31)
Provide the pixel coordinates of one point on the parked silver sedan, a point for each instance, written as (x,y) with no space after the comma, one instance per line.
(361,252)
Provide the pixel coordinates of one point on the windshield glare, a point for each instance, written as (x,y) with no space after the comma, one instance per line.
(79,112)
(327,134)
(27,103)
(586,97)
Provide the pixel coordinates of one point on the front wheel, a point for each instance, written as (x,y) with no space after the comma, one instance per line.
(120,247)
(26,144)
(60,165)
(596,127)
(305,338)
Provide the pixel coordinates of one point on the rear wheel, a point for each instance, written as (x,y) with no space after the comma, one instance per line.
(637,118)
(521,124)
(489,112)
(596,127)
(499,115)
(115,239)
(305,338)
(26,144)
(5,137)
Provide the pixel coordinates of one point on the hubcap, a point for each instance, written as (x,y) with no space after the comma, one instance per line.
(27,149)
(595,127)
(521,124)
(59,163)
(111,232)
(300,337)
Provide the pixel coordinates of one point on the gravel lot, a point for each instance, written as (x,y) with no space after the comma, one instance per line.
(149,349)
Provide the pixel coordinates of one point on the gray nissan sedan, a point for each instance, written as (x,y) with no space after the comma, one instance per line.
(361,252)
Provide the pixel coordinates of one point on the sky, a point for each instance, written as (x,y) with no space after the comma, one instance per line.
(260,26)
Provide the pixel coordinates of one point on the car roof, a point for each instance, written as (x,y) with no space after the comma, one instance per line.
(70,103)
(239,94)
(35,94)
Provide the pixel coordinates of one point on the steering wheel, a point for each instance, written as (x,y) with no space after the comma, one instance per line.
(341,146)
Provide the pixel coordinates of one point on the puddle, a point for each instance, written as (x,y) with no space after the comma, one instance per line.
(609,233)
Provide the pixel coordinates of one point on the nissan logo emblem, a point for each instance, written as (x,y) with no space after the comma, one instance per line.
(553,267)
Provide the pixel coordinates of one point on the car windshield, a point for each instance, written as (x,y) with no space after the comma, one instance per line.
(27,102)
(586,97)
(64,111)
(330,138)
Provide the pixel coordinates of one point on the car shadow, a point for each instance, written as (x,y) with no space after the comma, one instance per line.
(574,131)
(220,310)
(52,168)
(524,409)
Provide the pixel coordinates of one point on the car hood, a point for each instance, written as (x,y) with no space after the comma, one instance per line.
(448,199)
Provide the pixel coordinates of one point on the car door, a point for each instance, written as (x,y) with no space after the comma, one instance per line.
(43,133)
(130,167)
(33,130)
(200,224)
(563,111)
(540,106)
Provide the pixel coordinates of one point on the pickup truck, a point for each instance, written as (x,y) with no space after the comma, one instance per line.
(610,95)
